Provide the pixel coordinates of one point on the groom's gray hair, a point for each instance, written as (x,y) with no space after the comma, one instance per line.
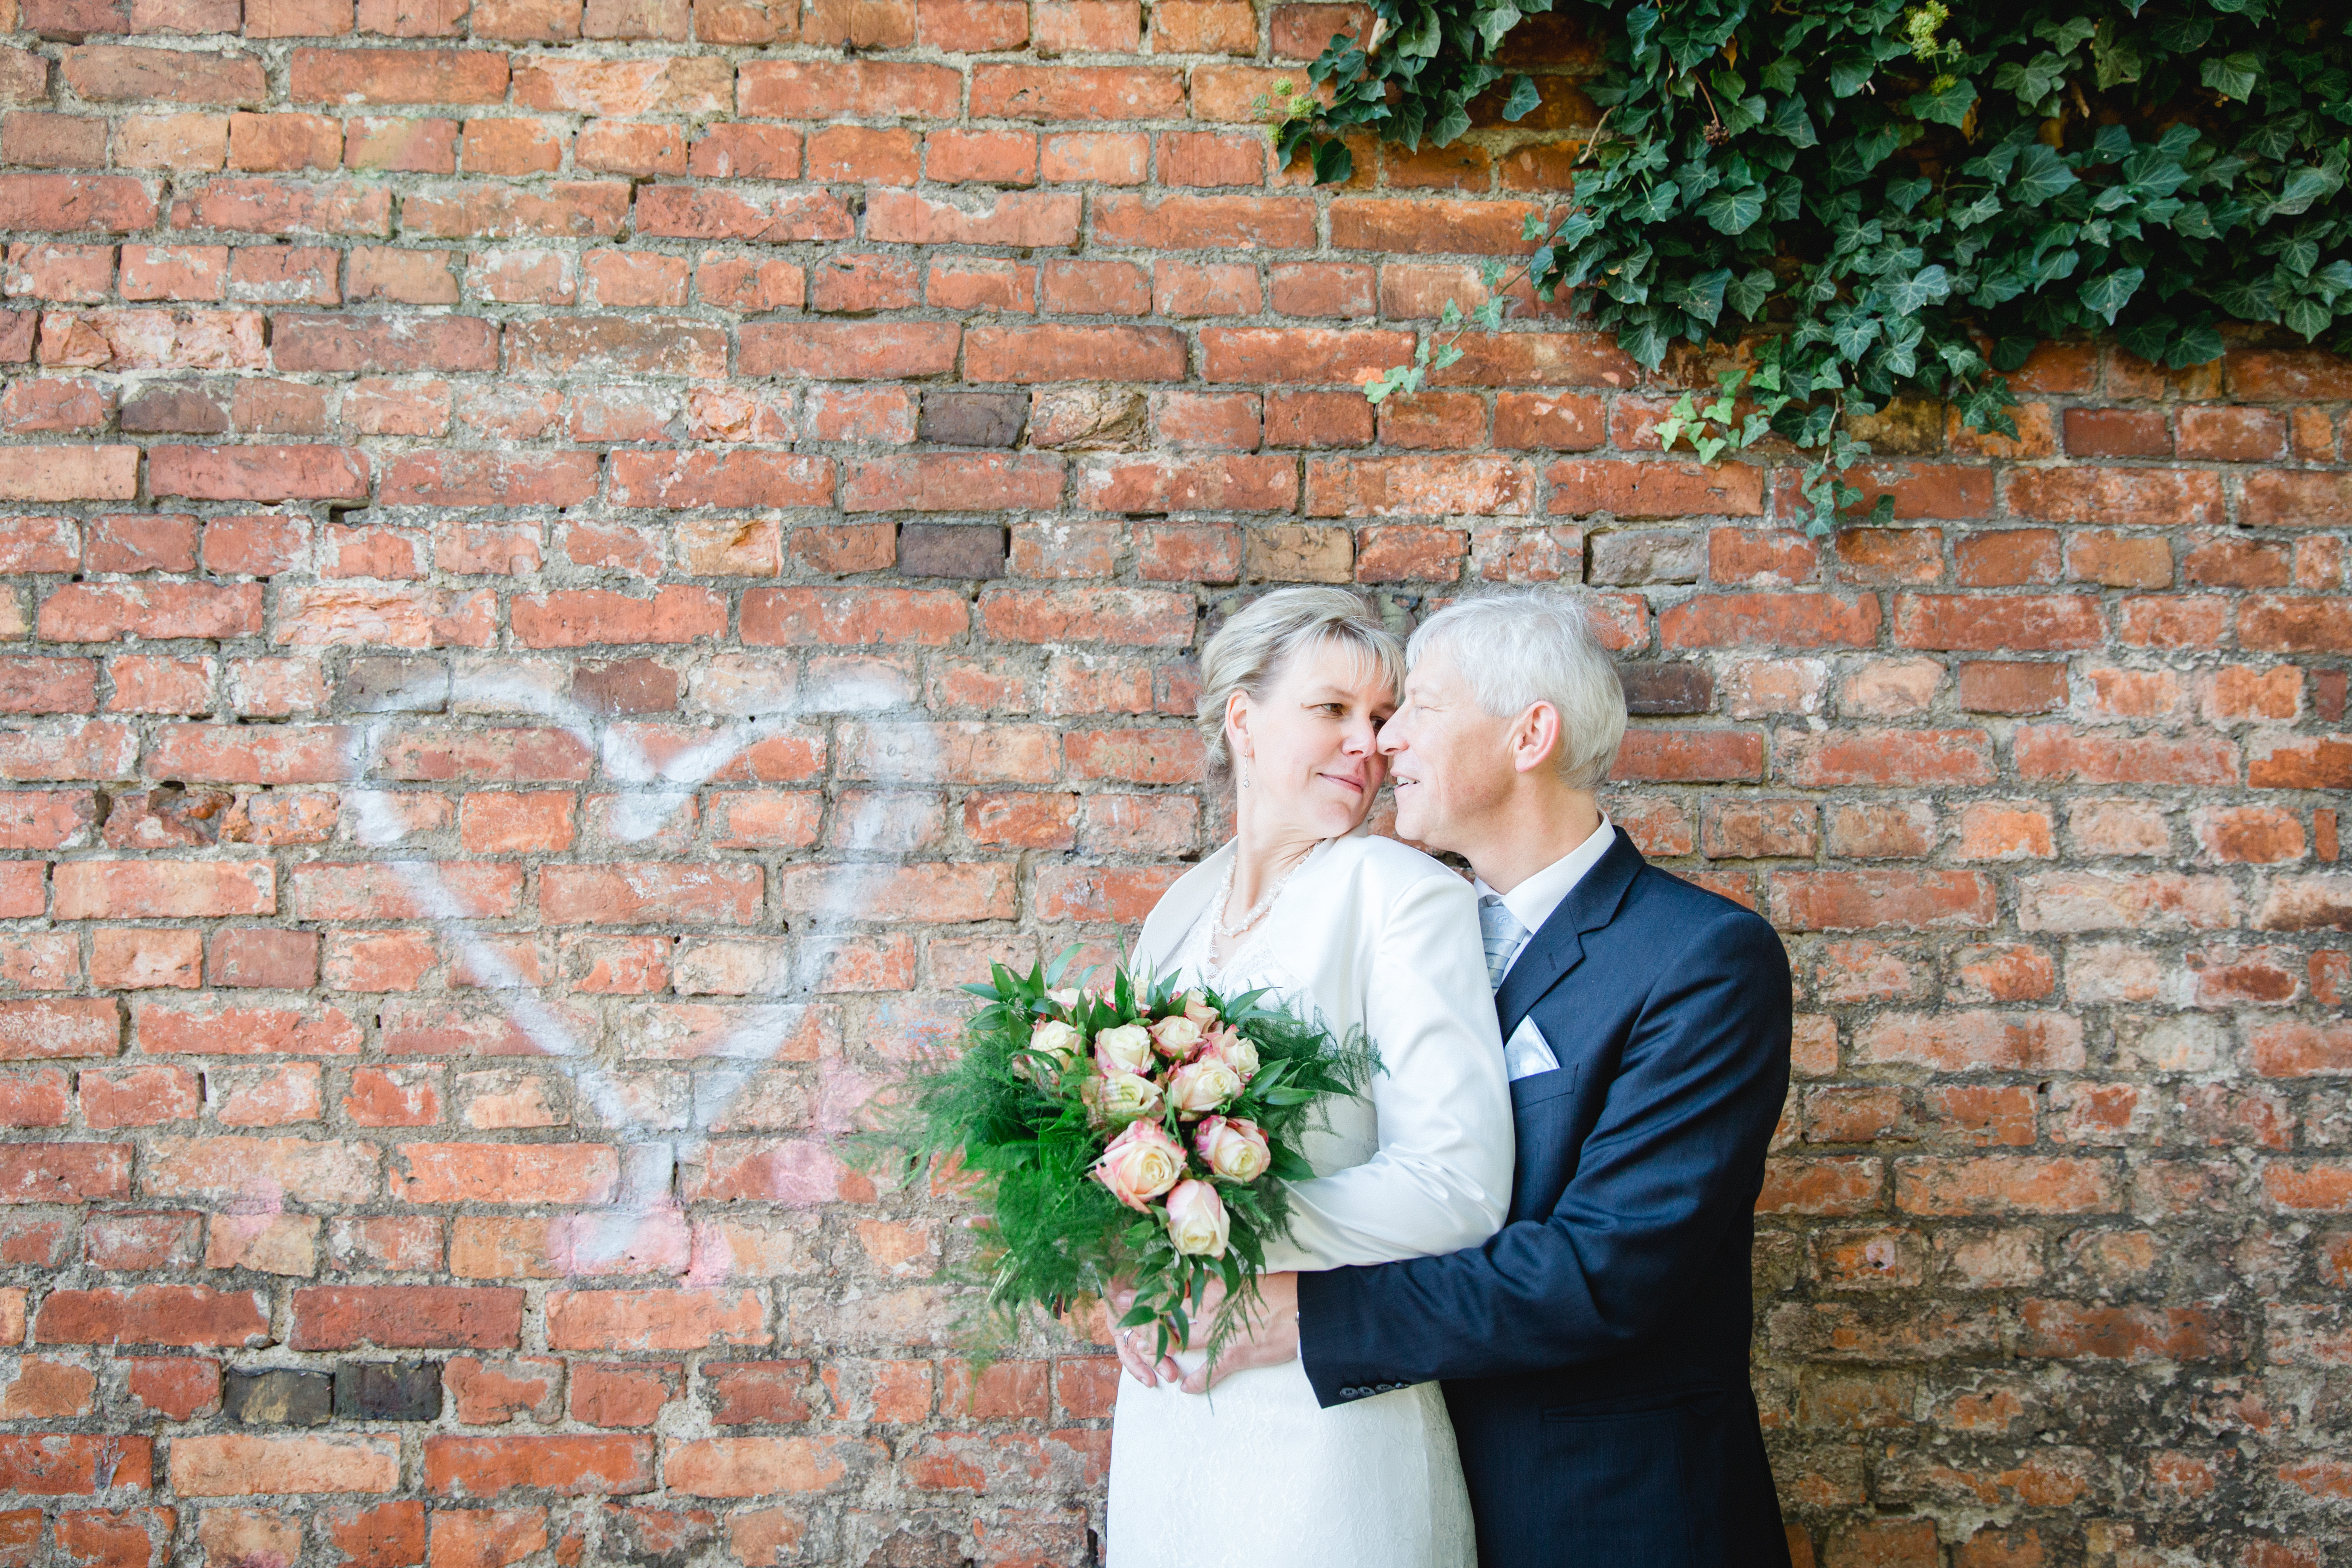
(1521,646)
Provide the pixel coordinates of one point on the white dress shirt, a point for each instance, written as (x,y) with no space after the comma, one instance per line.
(1533,901)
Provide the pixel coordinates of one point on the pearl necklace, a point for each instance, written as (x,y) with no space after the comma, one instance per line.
(1257,912)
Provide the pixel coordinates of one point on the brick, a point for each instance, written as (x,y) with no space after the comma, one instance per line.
(235,1465)
(178,1315)
(406,1317)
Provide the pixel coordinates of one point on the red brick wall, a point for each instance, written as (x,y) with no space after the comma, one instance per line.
(572,572)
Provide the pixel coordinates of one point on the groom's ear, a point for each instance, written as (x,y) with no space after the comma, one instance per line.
(1535,737)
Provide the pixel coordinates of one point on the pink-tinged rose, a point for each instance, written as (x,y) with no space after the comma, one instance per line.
(1202,1086)
(1233,1148)
(1178,1037)
(1197,1221)
(1235,1050)
(1122,1097)
(1127,1048)
(1139,1164)
(1065,998)
(1197,1008)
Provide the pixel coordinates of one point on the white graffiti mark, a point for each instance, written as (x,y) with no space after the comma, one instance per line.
(645,1221)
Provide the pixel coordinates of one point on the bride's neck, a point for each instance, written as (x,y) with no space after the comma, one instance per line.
(1263,856)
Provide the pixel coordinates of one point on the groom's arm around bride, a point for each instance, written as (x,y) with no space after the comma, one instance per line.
(1595,1351)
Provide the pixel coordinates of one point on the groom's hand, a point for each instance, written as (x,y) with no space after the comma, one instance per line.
(1268,1338)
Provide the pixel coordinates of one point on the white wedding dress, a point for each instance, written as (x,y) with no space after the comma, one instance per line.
(1255,1474)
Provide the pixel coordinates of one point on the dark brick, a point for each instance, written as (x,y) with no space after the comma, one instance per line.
(624,686)
(1667,688)
(951,550)
(281,1397)
(176,411)
(972,418)
(388,1391)
(394,686)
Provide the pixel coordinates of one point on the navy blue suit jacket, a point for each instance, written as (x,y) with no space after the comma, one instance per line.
(1594,1352)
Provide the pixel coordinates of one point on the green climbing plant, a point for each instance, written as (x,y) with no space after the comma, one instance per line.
(1894,198)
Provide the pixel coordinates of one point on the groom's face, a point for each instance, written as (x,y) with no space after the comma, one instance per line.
(1449,758)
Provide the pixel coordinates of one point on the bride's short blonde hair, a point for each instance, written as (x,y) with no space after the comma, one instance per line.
(1251,651)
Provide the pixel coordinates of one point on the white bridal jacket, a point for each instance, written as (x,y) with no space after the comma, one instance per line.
(1368,934)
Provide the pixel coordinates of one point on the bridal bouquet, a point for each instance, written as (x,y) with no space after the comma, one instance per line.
(1132,1132)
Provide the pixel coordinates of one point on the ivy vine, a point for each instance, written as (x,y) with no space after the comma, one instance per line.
(1900,198)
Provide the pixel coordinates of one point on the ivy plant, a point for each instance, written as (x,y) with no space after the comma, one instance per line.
(1899,198)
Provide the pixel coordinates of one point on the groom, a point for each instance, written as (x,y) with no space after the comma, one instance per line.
(1594,1352)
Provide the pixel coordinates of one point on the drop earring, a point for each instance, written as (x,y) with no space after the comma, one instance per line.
(1244,773)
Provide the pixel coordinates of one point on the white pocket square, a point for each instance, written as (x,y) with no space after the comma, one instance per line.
(1527,1052)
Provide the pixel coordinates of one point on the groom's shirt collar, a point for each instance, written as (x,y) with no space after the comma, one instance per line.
(1533,901)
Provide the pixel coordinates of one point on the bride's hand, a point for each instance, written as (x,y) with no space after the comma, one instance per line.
(1268,1338)
(1135,1345)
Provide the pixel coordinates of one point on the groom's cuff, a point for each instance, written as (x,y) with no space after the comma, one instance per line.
(1322,1355)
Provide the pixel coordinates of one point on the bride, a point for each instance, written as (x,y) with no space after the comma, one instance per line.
(1364,932)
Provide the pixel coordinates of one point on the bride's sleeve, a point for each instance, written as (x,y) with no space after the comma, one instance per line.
(1442,1178)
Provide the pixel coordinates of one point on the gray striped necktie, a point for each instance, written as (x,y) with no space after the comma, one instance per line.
(1502,934)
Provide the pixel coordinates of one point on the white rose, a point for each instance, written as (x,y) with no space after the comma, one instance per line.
(1178,1036)
(1127,1048)
(1197,1222)
(1234,1149)
(1056,1040)
(1202,1086)
(1233,1048)
(1126,1096)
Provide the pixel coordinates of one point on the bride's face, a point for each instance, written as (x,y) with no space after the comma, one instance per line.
(1310,743)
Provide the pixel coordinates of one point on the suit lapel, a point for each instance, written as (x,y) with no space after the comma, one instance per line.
(1558,948)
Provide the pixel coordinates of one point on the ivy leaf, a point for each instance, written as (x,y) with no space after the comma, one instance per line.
(2109,292)
(1333,162)
(1853,336)
(1946,102)
(2149,337)
(1644,341)
(1659,204)
(2233,75)
(1420,36)
(1493,24)
(1701,295)
(2183,35)
(1450,127)
(1710,448)
(1922,288)
(2248,298)
(2116,63)
(2304,187)
(1733,211)
(1791,123)
(1746,295)
(1851,70)
(2041,174)
(1524,101)
(2305,315)
(1978,211)
(2198,344)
